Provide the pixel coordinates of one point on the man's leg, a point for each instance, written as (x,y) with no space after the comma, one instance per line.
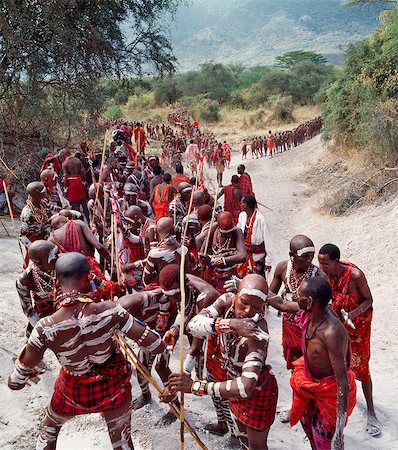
(257,440)
(163,369)
(145,397)
(49,430)
(372,426)
(85,210)
(119,427)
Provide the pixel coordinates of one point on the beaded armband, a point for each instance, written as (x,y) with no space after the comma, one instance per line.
(199,388)
(143,335)
(222,326)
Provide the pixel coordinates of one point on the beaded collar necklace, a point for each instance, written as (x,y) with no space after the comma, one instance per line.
(43,280)
(71,298)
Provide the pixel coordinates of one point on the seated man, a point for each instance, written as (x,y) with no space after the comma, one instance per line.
(95,376)
(251,387)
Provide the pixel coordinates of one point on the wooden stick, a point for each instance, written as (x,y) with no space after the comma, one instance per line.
(211,220)
(100,174)
(144,372)
(5,228)
(116,249)
(182,315)
(12,220)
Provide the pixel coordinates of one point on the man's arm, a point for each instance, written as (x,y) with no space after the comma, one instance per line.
(221,193)
(336,341)
(92,240)
(139,331)
(150,270)
(278,277)
(363,287)
(25,297)
(241,254)
(281,304)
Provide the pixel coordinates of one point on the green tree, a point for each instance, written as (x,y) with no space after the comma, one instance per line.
(290,59)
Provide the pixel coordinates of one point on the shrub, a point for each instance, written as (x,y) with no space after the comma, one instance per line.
(209,111)
(282,110)
(114,112)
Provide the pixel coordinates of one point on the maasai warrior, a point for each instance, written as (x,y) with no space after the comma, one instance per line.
(291,274)
(140,237)
(35,285)
(194,226)
(243,149)
(35,223)
(139,139)
(55,195)
(352,302)
(73,181)
(245,182)
(270,143)
(204,217)
(178,208)
(168,251)
(193,155)
(219,162)
(179,177)
(95,376)
(131,198)
(226,250)
(232,197)
(324,390)
(161,197)
(243,333)
(156,179)
(258,239)
(226,146)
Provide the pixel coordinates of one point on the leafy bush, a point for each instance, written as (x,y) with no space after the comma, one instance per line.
(114,112)
(209,111)
(282,110)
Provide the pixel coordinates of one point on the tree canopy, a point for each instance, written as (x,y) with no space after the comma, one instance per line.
(290,59)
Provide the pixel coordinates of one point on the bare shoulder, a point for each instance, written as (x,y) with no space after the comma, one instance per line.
(321,273)
(335,330)
(80,223)
(24,278)
(357,274)
(281,268)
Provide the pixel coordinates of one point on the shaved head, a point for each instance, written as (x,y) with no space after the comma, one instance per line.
(164,227)
(198,198)
(133,211)
(299,242)
(254,281)
(71,267)
(35,188)
(169,276)
(225,221)
(58,221)
(182,186)
(40,249)
(47,173)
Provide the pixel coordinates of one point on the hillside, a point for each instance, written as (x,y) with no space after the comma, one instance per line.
(255,31)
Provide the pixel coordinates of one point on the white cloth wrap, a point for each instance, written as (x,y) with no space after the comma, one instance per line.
(201,326)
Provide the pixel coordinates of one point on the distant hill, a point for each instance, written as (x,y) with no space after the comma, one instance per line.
(255,31)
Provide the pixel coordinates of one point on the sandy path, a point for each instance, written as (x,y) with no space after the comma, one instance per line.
(367,238)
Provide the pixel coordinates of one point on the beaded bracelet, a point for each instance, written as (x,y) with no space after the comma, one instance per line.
(144,335)
(199,388)
(222,325)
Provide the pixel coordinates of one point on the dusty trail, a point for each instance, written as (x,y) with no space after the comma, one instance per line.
(367,238)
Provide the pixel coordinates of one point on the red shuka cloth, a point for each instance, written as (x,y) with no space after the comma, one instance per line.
(360,337)
(161,202)
(323,392)
(291,342)
(258,411)
(76,189)
(229,202)
(105,388)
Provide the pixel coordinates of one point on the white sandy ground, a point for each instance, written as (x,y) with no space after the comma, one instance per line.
(367,237)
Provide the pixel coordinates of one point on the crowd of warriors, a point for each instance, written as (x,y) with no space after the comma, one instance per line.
(104,244)
(279,142)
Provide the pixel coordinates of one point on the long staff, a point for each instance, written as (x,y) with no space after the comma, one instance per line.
(144,372)
(182,315)
(100,175)
(12,219)
(211,220)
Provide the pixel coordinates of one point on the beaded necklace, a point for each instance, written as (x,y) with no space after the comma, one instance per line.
(71,298)
(319,324)
(218,246)
(38,213)
(40,281)
(294,281)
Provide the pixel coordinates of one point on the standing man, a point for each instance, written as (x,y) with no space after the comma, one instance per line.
(179,177)
(161,197)
(219,162)
(226,146)
(245,181)
(139,139)
(95,376)
(73,181)
(352,302)
(232,197)
(324,390)
(193,155)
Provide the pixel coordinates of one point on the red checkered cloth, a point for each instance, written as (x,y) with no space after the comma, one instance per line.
(105,388)
(214,359)
(110,288)
(291,342)
(258,411)
(229,202)
(44,308)
(245,184)
(218,279)
(137,251)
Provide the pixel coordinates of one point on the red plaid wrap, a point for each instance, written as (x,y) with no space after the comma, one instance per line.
(105,388)
(258,410)
(76,189)
(214,359)
(217,279)
(229,202)
(291,342)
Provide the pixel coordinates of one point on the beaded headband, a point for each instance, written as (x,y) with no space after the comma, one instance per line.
(227,231)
